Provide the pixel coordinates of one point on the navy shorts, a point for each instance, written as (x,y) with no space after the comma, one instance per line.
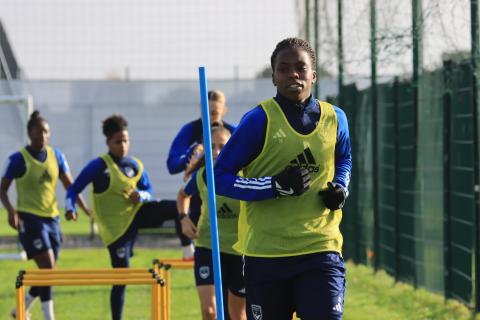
(311,285)
(152,214)
(232,270)
(39,234)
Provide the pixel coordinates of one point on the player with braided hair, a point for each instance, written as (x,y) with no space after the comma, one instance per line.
(36,170)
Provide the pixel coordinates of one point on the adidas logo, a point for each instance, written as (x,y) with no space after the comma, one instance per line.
(305,160)
(279,135)
(45,177)
(338,306)
(224,212)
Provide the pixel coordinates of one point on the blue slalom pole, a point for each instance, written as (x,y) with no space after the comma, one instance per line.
(212,206)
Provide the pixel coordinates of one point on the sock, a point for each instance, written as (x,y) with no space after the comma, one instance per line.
(47,308)
(188,251)
(29,300)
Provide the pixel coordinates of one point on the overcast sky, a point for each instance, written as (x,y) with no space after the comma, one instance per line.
(153,38)
(159,39)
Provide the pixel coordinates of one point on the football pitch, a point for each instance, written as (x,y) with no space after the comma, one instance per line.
(369,296)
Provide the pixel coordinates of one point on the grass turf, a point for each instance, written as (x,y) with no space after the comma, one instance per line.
(369,296)
(79,227)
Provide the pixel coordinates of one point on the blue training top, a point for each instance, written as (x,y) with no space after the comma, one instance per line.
(250,135)
(15,165)
(97,173)
(191,185)
(183,144)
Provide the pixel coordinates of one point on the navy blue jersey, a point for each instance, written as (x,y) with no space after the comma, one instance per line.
(190,187)
(182,146)
(248,139)
(96,172)
(15,165)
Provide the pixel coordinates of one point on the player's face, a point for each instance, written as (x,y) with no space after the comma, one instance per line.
(119,143)
(219,139)
(293,74)
(39,135)
(217,110)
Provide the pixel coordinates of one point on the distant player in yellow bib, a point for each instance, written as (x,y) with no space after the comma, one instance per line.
(122,200)
(294,152)
(227,215)
(36,170)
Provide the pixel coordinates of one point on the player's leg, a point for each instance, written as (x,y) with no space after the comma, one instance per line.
(206,294)
(204,280)
(232,274)
(120,253)
(269,294)
(46,260)
(53,236)
(323,280)
(236,306)
(35,237)
(154,213)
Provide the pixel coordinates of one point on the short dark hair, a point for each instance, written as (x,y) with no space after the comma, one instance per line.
(114,124)
(294,43)
(216,95)
(35,120)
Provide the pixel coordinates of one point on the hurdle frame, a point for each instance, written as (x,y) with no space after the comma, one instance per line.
(86,277)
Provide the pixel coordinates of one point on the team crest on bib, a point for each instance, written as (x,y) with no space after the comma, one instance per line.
(257,312)
(204,272)
(38,244)
(129,172)
(121,253)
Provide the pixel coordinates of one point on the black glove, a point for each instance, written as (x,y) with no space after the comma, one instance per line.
(333,196)
(292,181)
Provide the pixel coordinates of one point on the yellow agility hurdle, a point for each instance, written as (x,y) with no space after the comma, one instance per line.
(90,277)
(162,267)
(88,271)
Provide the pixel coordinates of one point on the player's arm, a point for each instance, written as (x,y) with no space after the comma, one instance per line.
(336,193)
(86,176)
(183,206)
(67,180)
(13,168)
(181,150)
(12,213)
(144,190)
(241,149)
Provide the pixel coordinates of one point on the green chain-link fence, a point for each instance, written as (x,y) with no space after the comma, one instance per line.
(427,224)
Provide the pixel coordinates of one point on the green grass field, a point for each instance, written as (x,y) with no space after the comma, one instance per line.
(369,296)
(79,227)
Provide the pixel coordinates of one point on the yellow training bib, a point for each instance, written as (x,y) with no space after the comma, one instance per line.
(289,226)
(113,209)
(36,188)
(227,218)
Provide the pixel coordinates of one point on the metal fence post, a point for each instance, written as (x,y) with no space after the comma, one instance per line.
(373,57)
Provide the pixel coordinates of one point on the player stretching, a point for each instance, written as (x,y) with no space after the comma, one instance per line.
(36,170)
(121,199)
(295,155)
(227,214)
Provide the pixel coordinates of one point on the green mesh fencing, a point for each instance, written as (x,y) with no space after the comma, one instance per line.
(350,226)
(427,228)
(460,182)
(387,198)
(362,167)
(406,183)
(430,194)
